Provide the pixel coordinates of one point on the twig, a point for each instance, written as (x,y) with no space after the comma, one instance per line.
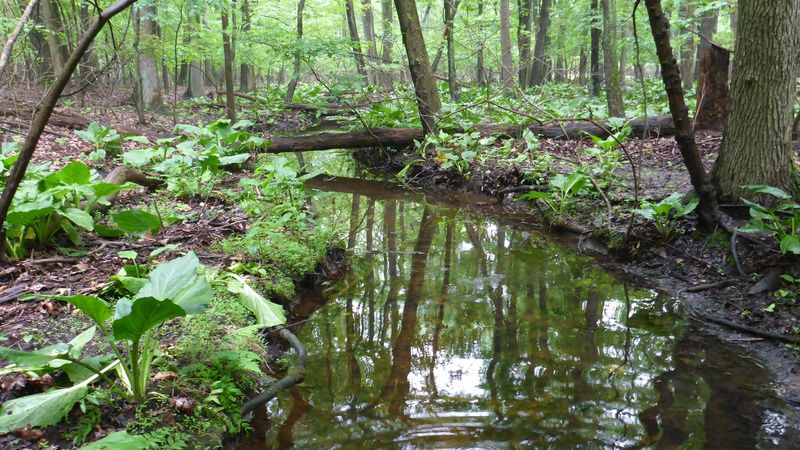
(294,377)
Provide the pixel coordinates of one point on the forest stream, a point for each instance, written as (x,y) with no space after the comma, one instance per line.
(455,329)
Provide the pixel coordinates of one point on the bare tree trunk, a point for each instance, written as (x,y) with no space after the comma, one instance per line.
(540,68)
(149,79)
(582,62)
(301,4)
(595,52)
(368,25)
(505,45)
(757,141)
(227,50)
(480,69)
(355,42)
(684,134)
(246,73)
(45,109)
(51,16)
(524,41)
(424,83)
(708,26)
(449,16)
(688,47)
(616,107)
(712,90)
(386,38)
(12,38)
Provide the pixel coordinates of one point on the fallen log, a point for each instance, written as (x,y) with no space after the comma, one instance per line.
(404,137)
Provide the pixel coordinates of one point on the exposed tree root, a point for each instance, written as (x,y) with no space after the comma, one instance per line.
(296,375)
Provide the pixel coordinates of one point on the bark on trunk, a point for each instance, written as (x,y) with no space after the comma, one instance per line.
(597,76)
(12,38)
(149,78)
(227,51)
(247,76)
(505,45)
(684,135)
(355,42)
(386,40)
(368,25)
(480,69)
(687,48)
(756,143)
(51,16)
(540,69)
(449,16)
(708,26)
(616,107)
(712,90)
(301,4)
(524,41)
(428,100)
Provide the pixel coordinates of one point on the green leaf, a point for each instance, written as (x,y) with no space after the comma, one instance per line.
(79,217)
(194,297)
(138,157)
(28,212)
(127,254)
(119,440)
(108,232)
(790,244)
(169,278)
(36,358)
(134,318)
(234,159)
(268,314)
(773,191)
(40,410)
(97,309)
(137,221)
(75,172)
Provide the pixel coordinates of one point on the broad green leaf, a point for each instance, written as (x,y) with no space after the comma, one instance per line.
(36,358)
(133,318)
(138,157)
(194,297)
(169,278)
(790,244)
(28,212)
(127,254)
(97,309)
(40,410)
(137,221)
(163,249)
(234,159)
(268,314)
(107,232)
(773,191)
(119,440)
(79,217)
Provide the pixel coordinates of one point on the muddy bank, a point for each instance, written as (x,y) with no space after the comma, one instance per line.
(694,267)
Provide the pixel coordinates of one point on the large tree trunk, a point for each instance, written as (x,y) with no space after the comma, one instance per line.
(247,76)
(684,134)
(386,41)
(708,26)
(616,107)
(596,74)
(540,67)
(227,51)
(301,4)
(756,143)
(428,100)
(712,90)
(149,78)
(505,45)
(355,42)
(688,47)
(51,16)
(524,41)
(368,25)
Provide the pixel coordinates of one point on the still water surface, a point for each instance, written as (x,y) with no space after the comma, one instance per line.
(454,329)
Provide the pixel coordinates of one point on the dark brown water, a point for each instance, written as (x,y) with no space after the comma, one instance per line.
(456,330)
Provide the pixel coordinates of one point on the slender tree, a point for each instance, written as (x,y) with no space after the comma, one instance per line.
(540,68)
(227,50)
(148,78)
(12,38)
(616,107)
(301,4)
(507,61)
(757,140)
(596,74)
(368,25)
(525,8)
(355,42)
(688,46)
(449,16)
(386,41)
(480,69)
(247,76)
(708,26)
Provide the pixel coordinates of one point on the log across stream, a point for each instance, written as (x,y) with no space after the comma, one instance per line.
(463,327)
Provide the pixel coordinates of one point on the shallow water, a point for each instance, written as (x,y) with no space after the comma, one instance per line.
(456,330)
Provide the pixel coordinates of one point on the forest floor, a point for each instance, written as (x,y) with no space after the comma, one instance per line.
(693,266)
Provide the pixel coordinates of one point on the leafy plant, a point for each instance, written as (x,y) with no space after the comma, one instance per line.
(561,191)
(665,212)
(173,289)
(781,222)
(607,155)
(105,140)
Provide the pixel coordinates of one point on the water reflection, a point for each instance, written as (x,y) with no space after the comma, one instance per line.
(457,331)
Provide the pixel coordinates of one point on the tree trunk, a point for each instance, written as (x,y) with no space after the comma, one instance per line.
(708,26)
(505,45)
(368,25)
(149,78)
(51,16)
(428,100)
(449,16)
(623,59)
(712,90)
(540,69)
(582,68)
(596,75)
(524,41)
(756,143)
(688,47)
(480,69)
(386,40)
(246,73)
(227,51)
(355,42)
(301,4)
(45,109)
(616,107)
(684,135)
(12,38)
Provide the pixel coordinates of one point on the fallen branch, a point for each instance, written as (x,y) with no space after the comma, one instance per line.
(746,329)
(405,137)
(296,375)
